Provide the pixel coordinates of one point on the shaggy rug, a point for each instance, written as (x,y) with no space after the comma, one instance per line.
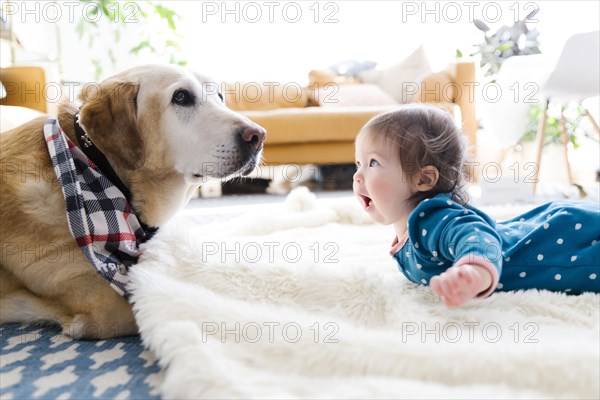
(303,301)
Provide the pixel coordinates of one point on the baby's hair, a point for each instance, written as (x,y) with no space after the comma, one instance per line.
(425,135)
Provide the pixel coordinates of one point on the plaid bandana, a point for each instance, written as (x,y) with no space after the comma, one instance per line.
(100,216)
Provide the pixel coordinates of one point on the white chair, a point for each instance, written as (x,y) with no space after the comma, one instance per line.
(518,81)
(575,77)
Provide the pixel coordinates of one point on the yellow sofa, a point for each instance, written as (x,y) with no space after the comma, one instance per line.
(24,87)
(22,96)
(298,132)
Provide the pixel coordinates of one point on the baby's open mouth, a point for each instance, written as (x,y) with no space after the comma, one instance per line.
(366,201)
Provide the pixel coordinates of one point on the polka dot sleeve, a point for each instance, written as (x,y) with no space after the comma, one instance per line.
(443,230)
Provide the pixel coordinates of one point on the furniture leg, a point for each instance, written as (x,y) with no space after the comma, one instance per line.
(595,125)
(211,189)
(539,141)
(593,121)
(564,140)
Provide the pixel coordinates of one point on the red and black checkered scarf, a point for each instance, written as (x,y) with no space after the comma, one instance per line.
(100,216)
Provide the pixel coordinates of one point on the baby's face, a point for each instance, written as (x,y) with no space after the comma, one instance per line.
(379,182)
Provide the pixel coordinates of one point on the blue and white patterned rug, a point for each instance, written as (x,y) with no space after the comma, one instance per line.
(38,362)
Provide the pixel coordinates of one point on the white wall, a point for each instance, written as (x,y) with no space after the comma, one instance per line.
(382,31)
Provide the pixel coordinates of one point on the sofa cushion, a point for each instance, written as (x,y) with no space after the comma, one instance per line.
(401,80)
(13,116)
(314,124)
(318,135)
(361,94)
(262,96)
(318,78)
(436,88)
(352,67)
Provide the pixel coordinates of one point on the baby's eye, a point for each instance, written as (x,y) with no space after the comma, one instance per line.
(373,162)
(357,165)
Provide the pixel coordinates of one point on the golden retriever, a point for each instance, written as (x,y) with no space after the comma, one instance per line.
(163,129)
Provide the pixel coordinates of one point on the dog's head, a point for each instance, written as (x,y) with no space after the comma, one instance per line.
(157,118)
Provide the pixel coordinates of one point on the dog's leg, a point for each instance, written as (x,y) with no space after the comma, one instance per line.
(84,310)
(24,306)
(18,304)
(96,326)
(96,310)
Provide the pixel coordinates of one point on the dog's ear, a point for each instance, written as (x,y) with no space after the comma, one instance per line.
(109,116)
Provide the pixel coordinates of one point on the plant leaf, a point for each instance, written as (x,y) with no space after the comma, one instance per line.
(531,14)
(143,45)
(80,28)
(481,25)
(172,43)
(166,13)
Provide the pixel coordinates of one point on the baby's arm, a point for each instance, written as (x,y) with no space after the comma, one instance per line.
(461,283)
(443,230)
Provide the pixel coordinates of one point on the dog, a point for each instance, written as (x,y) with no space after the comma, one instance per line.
(157,132)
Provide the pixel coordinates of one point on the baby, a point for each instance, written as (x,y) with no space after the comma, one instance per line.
(410,173)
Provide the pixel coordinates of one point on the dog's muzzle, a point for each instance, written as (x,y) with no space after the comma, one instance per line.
(241,159)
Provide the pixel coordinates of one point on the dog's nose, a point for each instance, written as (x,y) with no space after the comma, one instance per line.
(255,135)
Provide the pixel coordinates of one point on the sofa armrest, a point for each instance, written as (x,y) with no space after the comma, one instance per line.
(25,87)
(465,98)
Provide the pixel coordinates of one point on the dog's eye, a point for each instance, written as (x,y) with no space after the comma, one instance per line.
(183,97)
(221,97)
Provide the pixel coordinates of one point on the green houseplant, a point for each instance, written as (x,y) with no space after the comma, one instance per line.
(506,42)
(152,23)
(574,114)
(519,40)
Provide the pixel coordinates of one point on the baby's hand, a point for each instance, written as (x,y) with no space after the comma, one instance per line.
(461,283)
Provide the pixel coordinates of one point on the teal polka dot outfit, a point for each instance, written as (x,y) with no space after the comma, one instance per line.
(555,246)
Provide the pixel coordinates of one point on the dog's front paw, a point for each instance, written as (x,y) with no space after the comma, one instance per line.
(83,327)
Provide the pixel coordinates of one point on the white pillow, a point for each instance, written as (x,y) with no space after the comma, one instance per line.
(13,116)
(353,95)
(401,80)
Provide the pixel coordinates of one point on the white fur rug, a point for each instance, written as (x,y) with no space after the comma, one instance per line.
(303,301)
